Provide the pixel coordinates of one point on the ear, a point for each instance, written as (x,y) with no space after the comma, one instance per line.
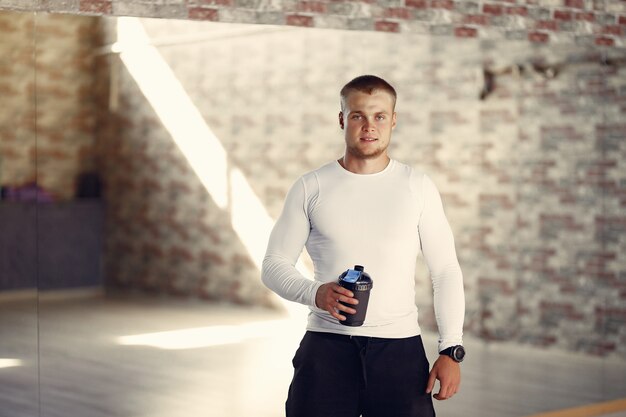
(341,120)
(393,120)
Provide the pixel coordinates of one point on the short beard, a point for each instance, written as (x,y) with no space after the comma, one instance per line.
(355,151)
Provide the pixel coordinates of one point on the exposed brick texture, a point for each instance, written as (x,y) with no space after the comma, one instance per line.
(17,89)
(533,194)
(418,4)
(465,32)
(532,178)
(47,122)
(516,10)
(385,26)
(539,37)
(299,20)
(98,7)
(199,13)
(492,18)
(493,9)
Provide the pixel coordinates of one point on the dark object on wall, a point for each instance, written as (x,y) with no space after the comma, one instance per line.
(541,69)
(18,246)
(89,185)
(29,192)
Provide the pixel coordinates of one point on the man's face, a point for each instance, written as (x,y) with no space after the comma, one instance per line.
(367,120)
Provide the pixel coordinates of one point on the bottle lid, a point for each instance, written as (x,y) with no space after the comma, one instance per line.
(358,268)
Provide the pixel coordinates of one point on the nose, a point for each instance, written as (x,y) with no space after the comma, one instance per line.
(368,125)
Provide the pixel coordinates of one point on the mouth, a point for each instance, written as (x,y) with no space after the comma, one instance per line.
(367,139)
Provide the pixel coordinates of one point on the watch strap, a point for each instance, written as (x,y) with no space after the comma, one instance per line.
(447,351)
(453,352)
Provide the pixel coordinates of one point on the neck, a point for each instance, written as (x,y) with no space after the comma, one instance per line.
(364,166)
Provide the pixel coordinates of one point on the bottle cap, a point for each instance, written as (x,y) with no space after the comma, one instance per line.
(358,268)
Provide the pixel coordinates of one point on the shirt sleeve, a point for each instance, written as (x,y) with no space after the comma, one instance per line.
(439,253)
(285,245)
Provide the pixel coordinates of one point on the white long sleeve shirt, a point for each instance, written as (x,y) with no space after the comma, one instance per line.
(379,221)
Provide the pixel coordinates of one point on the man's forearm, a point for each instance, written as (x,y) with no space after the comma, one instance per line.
(449,305)
(282,277)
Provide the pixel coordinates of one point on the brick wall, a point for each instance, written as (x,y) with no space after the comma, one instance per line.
(599,22)
(532,177)
(17,120)
(46,125)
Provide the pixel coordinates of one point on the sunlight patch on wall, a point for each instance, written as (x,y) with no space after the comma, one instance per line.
(249,217)
(227,185)
(179,115)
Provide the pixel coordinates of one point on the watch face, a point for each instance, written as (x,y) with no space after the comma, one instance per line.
(458,353)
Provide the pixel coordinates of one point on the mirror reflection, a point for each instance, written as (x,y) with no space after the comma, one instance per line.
(19,348)
(144,161)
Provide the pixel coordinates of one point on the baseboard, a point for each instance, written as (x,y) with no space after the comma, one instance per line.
(70,293)
(18,295)
(50,295)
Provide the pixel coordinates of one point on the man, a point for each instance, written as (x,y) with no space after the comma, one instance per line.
(367,209)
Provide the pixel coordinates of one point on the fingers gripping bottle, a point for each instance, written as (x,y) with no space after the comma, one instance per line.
(360,283)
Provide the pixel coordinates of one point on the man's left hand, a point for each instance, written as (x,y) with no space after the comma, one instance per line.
(448,372)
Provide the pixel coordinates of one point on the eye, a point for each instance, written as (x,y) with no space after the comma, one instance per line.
(380,117)
(355,117)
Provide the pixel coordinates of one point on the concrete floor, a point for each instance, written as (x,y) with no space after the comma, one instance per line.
(109,356)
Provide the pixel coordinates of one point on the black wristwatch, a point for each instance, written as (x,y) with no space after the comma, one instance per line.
(457,353)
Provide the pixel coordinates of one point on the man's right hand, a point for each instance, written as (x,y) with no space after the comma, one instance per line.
(328,298)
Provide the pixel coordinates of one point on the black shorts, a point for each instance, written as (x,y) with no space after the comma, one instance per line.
(344,376)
